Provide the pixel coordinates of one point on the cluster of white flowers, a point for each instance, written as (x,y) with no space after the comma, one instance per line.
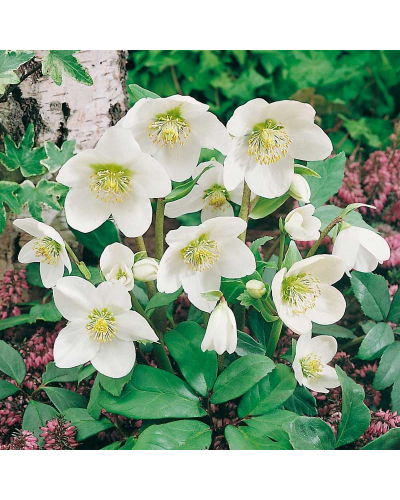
(157,142)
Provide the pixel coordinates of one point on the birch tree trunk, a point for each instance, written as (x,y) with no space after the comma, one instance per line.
(59,113)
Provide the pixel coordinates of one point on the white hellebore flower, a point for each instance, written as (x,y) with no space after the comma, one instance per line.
(198,256)
(360,249)
(304,293)
(267,138)
(301,225)
(115,178)
(173,130)
(116,263)
(101,327)
(300,189)
(209,195)
(221,332)
(145,269)
(47,247)
(310,364)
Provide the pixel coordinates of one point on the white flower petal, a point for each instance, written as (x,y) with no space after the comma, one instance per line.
(118,146)
(51,233)
(113,296)
(193,202)
(236,163)
(77,170)
(298,323)
(325,347)
(346,247)
(221,332)
(329,307)
(73,346)
(298,372)
(236,260)
(30,226)
(65,258)
(222,229)
(149,174)
(27,253)
(286,112)
(211,133)
(375,244)
(210,212)
(196,283)
(83,211)
(171,264)
(365,261)
(212,176)
(50,274)
(115,358)
(303,346)
(308,142)
(133,214)
(271,181)
(116,253)
(247,116)
(327,268)
(131,326)
(74,297)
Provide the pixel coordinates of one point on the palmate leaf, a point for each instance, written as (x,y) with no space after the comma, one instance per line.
(24,156)
(56,157)
(44,193)
(9,62)
(7,195)
(62,62)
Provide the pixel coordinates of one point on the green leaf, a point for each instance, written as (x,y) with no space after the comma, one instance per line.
(13,321)
(178,435)
(394,312)
(332,173)
(266,206)
(259,242)
(185,188)
(269,393)
(161,299)
(86,425)
(54,374)
(302,170)
(56,157)
(140,93)
(7,389)
(327,213)
(44,193)
(199,368)
(395,395)
(389,441)
(247,300)
(259,327)
(36,415)
(240,376)
(333,330)
(311,434)
(389,367)
(231,289)
(247,345)
(45,312)
(372,293)
(93,407)
(64,399)
(7,195)
(273,425)
(113,446)
(153,394)
(97,240)
(376,341)
(114,386)
(62,62)
(301,402)
(292,256)
(10,61)
(355,414)
(249,438)
(11,363)
(25,156)
(86,372)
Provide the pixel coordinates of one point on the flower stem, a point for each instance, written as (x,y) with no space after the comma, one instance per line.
(353,342)
(274,337)
(281,249)
(316,245)
(221,362)
(271,250)
(141,245)
(159,250)
(80,265)
(244,209)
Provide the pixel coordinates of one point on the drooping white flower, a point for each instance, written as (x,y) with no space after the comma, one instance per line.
(47,247)
(173,130)
(115,178)
(256,288)
(145,269)
(310,364)
(221,332)
(267,138)
(101,327)
(116,263)
(209,195)
(301,225)
(304,293)
(360,249)
(198,256)
(300,189)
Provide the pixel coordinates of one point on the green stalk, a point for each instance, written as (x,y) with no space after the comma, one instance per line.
(316,245)
(159,250)
(244,209)
(274,337)
(221,362)
(281,249)
(80,265)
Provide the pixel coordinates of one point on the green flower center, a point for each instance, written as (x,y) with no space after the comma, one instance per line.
(47,250)
(110,182)
(216,196)
(102,325)
(121,274)
(200,254)
(268,142)
(300,292)
(169,129)
(311,366)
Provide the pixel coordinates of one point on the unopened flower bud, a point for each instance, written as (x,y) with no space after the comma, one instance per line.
(256,288)
(299,189)
(145,269)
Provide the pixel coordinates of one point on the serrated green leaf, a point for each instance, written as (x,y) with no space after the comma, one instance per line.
(311,433)
(249,438)
(114,386)
(266,206)
(372,293)
(7,389)
(7,195)
(389,367)
(247,345)
(292,256)
(161,299)
(336,331)
(302,170)
(93,407)
(44,312)
(54,374)
(64,399)
(185,188)
(86,425)
(9,62)
(56,157)
(44,193)
(377,340)
(332,173)
(62,62)
(394,313)
(301,402)
(395,395)
(140,93)
(11,362)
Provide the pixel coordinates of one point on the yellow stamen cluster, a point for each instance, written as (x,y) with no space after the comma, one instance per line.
(111,183)
(102,325)
(216,196)
(311,366)
(169,129)
(300,292)
(47,250)
(200,254)
(269,142)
